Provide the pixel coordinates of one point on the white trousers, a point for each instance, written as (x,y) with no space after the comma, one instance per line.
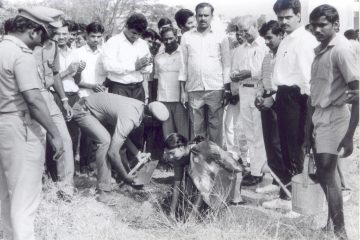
(251,120)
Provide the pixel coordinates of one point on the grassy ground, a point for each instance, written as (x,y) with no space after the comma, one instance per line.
(138,215)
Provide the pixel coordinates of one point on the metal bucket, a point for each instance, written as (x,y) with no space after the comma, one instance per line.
(308,197)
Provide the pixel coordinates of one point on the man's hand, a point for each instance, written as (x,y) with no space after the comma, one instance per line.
(57,145)
(226,98)
(98,88)
(183,98)
(259,102)
(143,157)
(142,62)
(81,67)
(241,75)
(267,103)
(68,111)
(352,96)
(73,67)
(347,144)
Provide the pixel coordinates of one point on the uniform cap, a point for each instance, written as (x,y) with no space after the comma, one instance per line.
(43,16)
(159,111)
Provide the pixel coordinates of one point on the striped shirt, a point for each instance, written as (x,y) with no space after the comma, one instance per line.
(267,70)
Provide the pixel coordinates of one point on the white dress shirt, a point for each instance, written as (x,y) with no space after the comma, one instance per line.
(167,67)
(91,74)
(66,57)
(205,60)
(119,57)
(249,56)
(293,60)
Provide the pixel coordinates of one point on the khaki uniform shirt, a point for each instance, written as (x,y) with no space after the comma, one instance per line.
(48,64)
(18,73)
(332,69)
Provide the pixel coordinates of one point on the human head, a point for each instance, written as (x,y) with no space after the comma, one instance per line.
(73,29)
(351,34)
(175,146)
(94,32)
(185,20)
(136,24)
(31,32)
(158,110)
(324,21)
(288,13)
(151,37)
(272,32)
(62,34)
(247,28)
(164,22)
(169,38)
(204,14)
(8,25)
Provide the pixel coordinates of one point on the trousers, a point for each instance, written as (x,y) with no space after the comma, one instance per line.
(22,157)
(251,120)
(207,112)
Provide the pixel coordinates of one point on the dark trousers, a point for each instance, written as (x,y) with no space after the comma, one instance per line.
(136,91)
(272,145)
(291,107)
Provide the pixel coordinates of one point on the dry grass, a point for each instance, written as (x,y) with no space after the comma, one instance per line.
(138,215)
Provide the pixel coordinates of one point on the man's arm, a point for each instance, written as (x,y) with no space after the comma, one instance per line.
(59,88)
(225,60)
(347,141)
(309,127)
(39,111)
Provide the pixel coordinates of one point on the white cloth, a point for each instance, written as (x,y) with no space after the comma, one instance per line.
(167,67)
(249,57)
(66,57)
(231,118)
(119,57)
(205,60)
(91,74)
(293,60)
(251,120)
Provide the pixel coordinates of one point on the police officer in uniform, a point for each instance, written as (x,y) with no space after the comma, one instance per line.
(23,113)
(48,66)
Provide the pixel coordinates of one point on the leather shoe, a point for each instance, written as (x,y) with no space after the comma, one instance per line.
(251,180)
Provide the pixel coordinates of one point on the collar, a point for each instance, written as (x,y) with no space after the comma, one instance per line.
(18,42)
(123,38)
(88,49)
(319,49)
(176,51)
(209,30)
(297,32)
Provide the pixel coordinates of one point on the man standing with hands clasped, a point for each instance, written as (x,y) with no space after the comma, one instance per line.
(333,72)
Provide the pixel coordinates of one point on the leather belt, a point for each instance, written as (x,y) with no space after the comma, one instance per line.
(18,113)
(249,85)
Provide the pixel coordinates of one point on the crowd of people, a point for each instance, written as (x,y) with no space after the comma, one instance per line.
(68,90)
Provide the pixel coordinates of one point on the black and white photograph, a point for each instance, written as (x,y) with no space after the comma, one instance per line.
(179,120)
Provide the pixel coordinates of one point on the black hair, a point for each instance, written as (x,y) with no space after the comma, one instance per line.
(164,21)
(95,27)
(150,33)
(21,24)
(272,25)
(203,5)
(167,29)
(182,16)
(351,34)
(281,5)
(138,22)
(8,25)
(81,27)
(326,10)
(175,140)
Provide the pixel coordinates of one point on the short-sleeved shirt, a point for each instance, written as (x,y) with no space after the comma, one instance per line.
(48,63)
(167,67)
(18,73)
(123,113)
(333,68)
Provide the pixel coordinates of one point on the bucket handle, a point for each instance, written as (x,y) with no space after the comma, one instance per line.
(308,158)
